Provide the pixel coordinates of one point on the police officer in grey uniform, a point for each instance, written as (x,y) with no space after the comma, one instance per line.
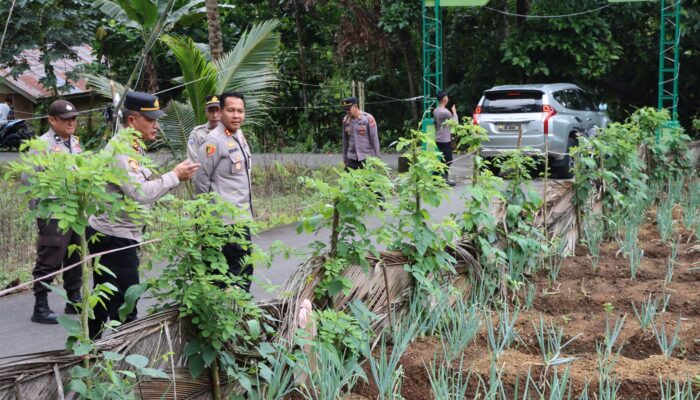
(225,169)
(443,134)
(142,111)
(52,244)
(199,133)
(360,137)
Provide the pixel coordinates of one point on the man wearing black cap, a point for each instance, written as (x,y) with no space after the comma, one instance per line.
(199,133)
(52,245)
(142,111)
(360,137)
(443,134)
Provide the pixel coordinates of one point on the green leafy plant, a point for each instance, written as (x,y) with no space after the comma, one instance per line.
(470,139)
(330,375)
(341,208)
(196,280)
(426,246)
(340,331)
(274,376)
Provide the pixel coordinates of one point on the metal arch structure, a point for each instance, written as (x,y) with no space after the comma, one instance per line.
(432,52)
(669,48)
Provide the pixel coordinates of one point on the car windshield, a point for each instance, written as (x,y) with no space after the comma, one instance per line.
(512,101)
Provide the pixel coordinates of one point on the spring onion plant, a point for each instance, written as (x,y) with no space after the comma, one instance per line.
(549,340)
(593,232)
(458,328)
(664,218)
(666,343)
(671,263)
(386,371)
(330,376)
(611,335)
(691,207)
(530,295)
(446,382)
(502,336)
(554,259)
(674,390)
(646,312)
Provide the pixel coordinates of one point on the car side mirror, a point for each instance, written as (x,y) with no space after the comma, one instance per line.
(603,106)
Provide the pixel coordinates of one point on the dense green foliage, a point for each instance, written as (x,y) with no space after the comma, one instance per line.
(611,52)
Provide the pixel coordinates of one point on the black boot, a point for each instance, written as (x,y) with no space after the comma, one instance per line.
(42,312)
(74,299)
(448,181)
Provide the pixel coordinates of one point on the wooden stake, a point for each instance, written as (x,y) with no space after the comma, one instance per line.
(388,300)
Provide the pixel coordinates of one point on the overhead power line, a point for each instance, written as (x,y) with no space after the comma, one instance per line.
(547,16)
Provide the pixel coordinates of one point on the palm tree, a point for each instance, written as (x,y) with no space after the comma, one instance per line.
(216,46)
(143,15)
(249,68)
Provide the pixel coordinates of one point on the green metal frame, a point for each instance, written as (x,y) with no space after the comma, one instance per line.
(669,40)
(432,59)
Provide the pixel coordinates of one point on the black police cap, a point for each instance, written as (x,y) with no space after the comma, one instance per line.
(211,101)
(347,103)
(144,103)
(63,109)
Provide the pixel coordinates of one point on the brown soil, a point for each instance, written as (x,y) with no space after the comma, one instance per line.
(576,303)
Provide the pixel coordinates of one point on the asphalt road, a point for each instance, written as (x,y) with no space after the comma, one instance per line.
(20,335)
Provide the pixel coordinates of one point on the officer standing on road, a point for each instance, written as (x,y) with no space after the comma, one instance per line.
(226,168)
(52,245)
(142,111)
(443,135)
(360,137)
(199,133)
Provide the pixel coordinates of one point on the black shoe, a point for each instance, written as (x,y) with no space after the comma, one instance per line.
(72,309)
(43,314)
(74,299)
(450,183)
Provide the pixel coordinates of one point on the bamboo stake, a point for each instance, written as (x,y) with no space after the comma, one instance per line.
(388,299)
(216,385)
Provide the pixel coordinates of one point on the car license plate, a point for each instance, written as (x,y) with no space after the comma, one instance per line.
(507,127)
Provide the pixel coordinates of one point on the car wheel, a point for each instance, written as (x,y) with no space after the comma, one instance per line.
(564,168)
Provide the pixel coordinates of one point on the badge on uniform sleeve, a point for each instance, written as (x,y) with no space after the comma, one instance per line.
(372,122)
(210,149)
(133,164)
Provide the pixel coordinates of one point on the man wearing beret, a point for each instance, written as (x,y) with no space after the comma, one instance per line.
(142,111)
(199,133)
(360,138)
(226,167)
(52,245)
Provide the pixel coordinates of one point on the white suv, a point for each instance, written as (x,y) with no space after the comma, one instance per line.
(560,111)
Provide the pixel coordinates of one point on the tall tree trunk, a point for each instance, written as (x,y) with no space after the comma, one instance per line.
(149,80)
(522,7)
(216,46)
(300,47)
(410,60)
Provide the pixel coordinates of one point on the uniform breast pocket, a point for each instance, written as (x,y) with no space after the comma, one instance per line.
(237,161)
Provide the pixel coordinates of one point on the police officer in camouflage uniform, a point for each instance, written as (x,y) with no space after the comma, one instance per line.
(443,134)
(199,133)
(225,169)
(142,111)
(52,245)
(360,137)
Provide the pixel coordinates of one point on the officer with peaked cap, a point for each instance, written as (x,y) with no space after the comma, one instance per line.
(142,111)
(226,168)
(52,245)
(199,133)
(360,137)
